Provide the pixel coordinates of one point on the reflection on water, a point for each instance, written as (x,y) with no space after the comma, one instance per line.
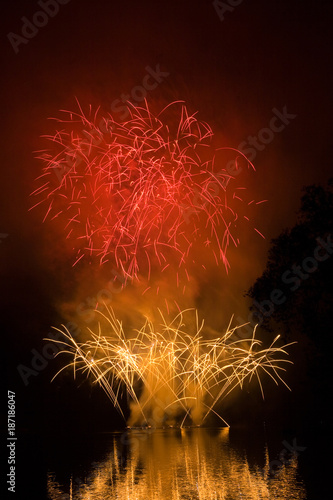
(174,464)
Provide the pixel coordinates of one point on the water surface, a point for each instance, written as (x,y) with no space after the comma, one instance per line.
(173,464)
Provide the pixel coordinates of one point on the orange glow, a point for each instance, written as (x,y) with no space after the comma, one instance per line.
(168,374)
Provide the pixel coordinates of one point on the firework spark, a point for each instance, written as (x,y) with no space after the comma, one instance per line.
(183,375)
(141,193)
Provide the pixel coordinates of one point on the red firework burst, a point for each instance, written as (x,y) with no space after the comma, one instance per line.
(141,193)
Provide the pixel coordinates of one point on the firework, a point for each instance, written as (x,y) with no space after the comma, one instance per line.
(168,372)
(141,193)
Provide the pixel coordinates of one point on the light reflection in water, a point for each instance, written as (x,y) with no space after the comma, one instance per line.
(178,464)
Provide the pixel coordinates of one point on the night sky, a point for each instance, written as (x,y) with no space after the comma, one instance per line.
(236,69)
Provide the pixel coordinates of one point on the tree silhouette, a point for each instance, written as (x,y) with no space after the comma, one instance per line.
(295,289)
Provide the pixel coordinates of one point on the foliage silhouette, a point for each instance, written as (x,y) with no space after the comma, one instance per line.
(300,265)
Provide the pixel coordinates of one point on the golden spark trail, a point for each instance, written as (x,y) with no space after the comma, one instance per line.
(185,376)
